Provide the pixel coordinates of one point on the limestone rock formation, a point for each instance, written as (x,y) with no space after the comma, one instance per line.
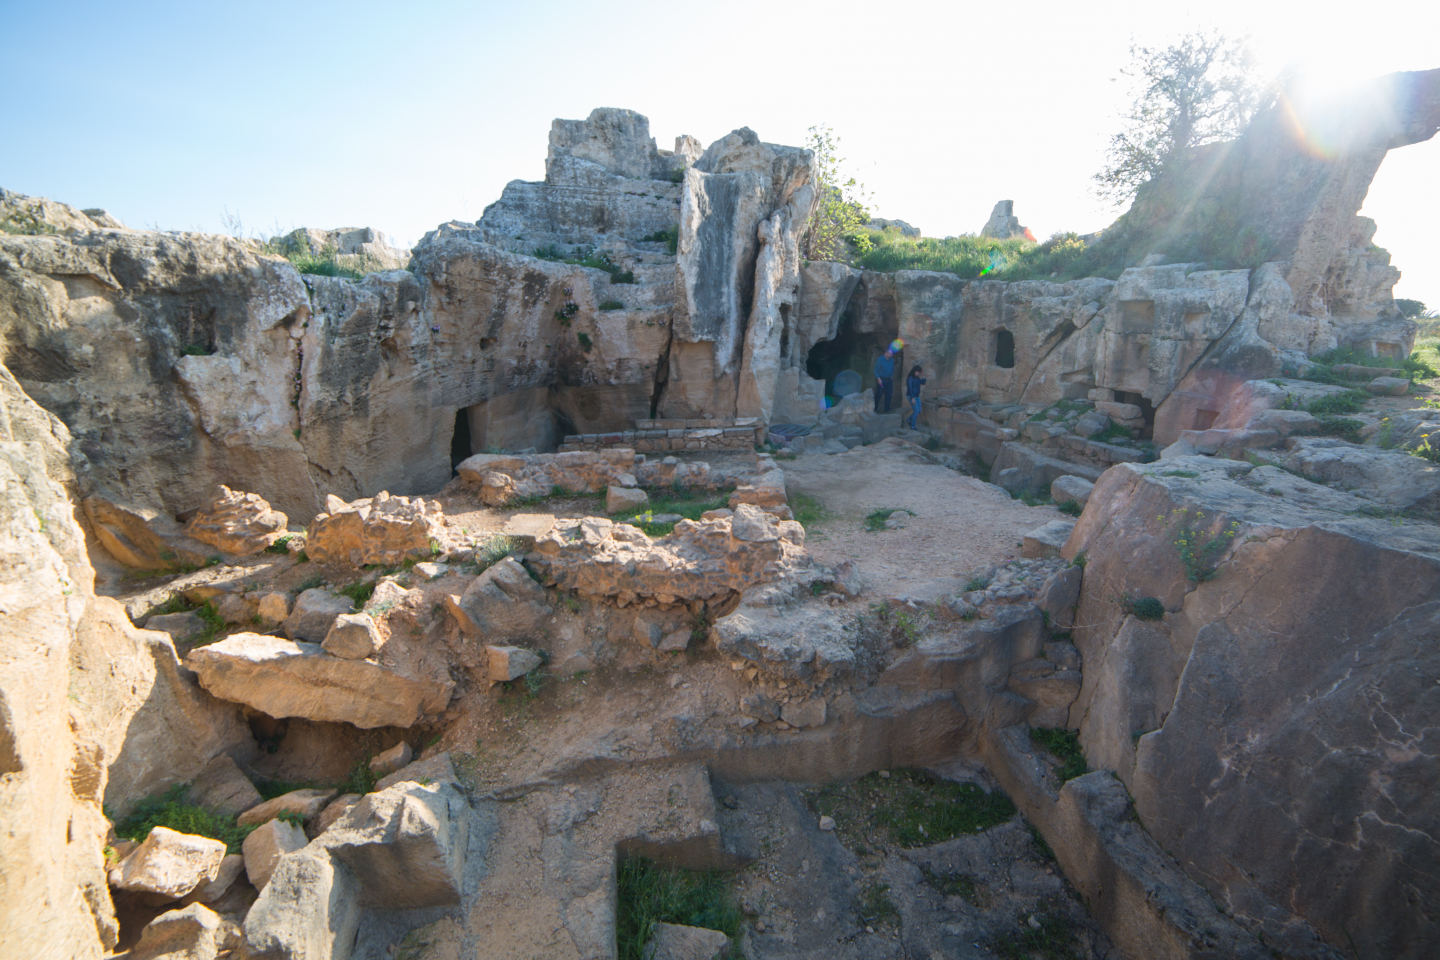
(237,523)
(315,613)
(190,933)
(1003,224)
(222,787)
(266,845)
(286,679)
(310,908)
(377,530)
(502,604)
(360,248)
(1236,705)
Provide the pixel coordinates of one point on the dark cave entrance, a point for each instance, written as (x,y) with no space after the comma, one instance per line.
(852,350)
(460,440)
(1004,349)
(1147,410)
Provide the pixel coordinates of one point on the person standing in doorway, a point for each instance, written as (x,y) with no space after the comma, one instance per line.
(884,379)
(913,383)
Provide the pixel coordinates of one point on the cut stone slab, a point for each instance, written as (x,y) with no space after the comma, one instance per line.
(266,845)
(526,528)
(395,758)
(1118,411)
(222,787)
(191,933)
(1071,490)
(509,663)
(405,845)
(1388,386)
(353,636)
(309,910)
(315,610)
(169,864)
(674,942)
(180,626)
(429,570)
(436,769)
(307,803)
(619,499)
(286,679)
(1045,542)
(1090,423)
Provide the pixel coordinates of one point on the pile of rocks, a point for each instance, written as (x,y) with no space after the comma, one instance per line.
(377,530)
(723,553)
(237,523)
(504,478)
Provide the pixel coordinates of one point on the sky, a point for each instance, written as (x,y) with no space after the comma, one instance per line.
(404,116)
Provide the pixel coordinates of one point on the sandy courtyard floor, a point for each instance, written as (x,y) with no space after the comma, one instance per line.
(960,522)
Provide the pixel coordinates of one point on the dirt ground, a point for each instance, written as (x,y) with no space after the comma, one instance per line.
(960,522)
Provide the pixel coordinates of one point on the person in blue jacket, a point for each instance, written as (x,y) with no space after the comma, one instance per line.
(884,379)
(913,383)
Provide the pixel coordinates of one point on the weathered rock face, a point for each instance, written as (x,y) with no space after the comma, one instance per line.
(705,560)
(286,679)
(1265,726)
(1003,224)
(357,248)
(503,478)
(169,864)
(379,530)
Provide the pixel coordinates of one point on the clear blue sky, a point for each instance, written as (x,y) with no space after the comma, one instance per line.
(402,116)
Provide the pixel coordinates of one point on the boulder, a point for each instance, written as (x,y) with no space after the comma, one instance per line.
(503,603)
(265,846)
(309,910)
(1047,541)
(222,787)
(1119,411)
(405,845)
(315,612)
(1003,224)
(804,713)
(240,524)
(1389,386)
(353,636)
(231,869)
(285,679)
(305,803)
(1397,480)
(509,663)
(234,609)
(335,810)
(169,864)
(1070,489)
(273,608)
(190,933)
(381,530)
(1058,597)
(436,769)
(672,941)
(625,499)
(182,627)
(1091,422)
(391,760)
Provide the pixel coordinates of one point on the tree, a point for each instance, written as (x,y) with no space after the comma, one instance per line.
(1201,89)
(841,209)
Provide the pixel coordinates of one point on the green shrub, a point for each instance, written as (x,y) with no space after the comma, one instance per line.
(585,343)
(1052,938)
(587,257)
(1146,608)
(171,810)
(647,894)
(281,545)
(359,591)
(1200,549)
(1065,745)
(808,510)
(671,239)
(1342,427)
(911,808)
(612,305)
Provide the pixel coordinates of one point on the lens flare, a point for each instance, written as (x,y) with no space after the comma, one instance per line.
(897,345)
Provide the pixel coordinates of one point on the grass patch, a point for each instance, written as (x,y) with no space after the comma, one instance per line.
(214,624)
(1065,745)
(1351,401)
(1343,427)
(171,810)
(1051,937)
(953,884)
(973,257)
(649,894)
(1145,608)
(875,906)
(359,592)
(493,550)
(671,237)
(587,257)
(875,519)
(911,807)
(611,305)
(1187,474)
(690,506)
(808,510)
(281,545)
(1031,499)
(1071,508)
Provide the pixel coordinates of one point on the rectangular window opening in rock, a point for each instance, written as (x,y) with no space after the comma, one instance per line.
(1137,316)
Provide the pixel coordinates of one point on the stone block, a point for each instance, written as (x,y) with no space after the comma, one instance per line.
(1071,489)
(222,787)
(305,803)
(1119,411)
(1388,386)
(396,758)
(353,636)
(315,611)
(266,845)
(310,909)
(509,663)
(182,627)
(1046,541)
(191,933)
(675,942)
(169,864)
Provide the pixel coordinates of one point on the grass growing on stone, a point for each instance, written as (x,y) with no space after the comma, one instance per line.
(1351,401)
(649,894)
(1065,745)
(493,550)
(169,809)
(359,591)
(360,779)
(690,506)
(808,510)
(1070,508)
(1047,935)
(910,807)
